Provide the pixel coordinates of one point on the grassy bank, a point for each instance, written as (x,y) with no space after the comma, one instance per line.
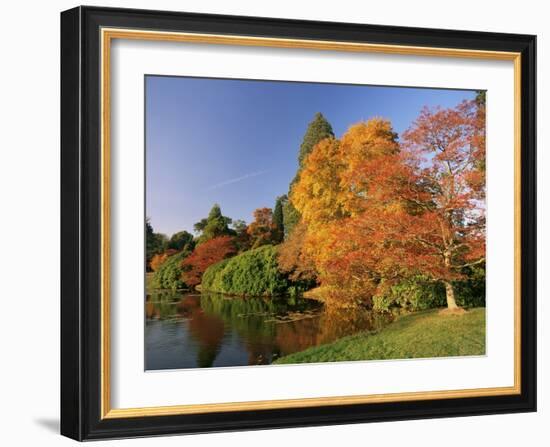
(418,335)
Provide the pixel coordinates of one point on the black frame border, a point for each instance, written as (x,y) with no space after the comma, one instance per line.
(81,223)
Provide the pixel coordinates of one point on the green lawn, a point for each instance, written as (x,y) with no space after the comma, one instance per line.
(418,335)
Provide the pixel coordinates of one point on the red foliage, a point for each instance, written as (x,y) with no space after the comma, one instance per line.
(262,231)
(421,211)
(205,255)
(377,212)
(453,219)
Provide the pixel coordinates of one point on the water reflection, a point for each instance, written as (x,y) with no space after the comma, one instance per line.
(192,330)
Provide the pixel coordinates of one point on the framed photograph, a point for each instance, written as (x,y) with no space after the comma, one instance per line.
(276,223)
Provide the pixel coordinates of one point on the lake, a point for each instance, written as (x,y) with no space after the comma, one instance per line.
(190,330)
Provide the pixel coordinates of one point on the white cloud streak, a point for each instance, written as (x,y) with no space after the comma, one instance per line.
(235,180)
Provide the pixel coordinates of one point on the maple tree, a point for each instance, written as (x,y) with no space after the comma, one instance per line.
(205,255)
(447,149)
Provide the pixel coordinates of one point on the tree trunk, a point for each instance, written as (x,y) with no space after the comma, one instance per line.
(451,302)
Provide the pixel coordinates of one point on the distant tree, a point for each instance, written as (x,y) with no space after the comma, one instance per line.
(181,240)
(278,219)
(148,228)
(214,225)
(206,254)
(155,243)
(242,239)
(262,229)
(200,225)
(239,225)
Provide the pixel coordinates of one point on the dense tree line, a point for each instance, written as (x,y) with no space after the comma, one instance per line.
(370,218)
(378,214)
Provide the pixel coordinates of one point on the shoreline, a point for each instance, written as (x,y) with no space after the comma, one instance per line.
(423,334)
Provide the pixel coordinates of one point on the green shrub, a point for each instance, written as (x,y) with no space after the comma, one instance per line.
(413,294)
(253,273)
(471,292)
(419,293)
(210,275)
(168,275)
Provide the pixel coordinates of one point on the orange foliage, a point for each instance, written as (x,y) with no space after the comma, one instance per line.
(317,193)
(292,257)
(375,212)
(262,230)
(205,255)
(158,259)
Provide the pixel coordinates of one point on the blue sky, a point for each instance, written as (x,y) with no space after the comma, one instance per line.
(236,142)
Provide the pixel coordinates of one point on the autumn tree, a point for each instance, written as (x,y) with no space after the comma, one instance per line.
(451,223)
(213,226)
(318,129)
(475,112)
(155,243)
(206,254)
(293,258)
(399,212)
(338,179)
(159,259)
(317,195)
(262,231)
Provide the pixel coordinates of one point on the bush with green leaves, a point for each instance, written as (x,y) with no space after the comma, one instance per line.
(419,293)
(413,294)
(252,273)
(168,275)
(471,292)
(209,277)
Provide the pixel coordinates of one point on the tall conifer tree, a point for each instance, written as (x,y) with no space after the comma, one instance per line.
(278,218)
(317,130)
